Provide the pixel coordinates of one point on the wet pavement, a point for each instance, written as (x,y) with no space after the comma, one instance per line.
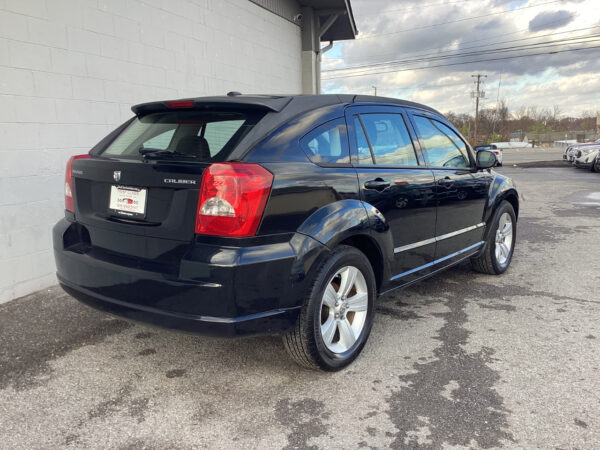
(463,360)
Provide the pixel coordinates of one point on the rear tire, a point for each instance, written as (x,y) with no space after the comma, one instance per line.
(334,324)
(500,244)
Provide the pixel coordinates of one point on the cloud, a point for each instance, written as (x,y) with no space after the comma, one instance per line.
(548,20)
(542,80)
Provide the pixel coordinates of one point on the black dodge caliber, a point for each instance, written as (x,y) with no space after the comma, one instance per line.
(242,214)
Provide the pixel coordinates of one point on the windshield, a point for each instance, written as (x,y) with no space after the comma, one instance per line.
(191,135)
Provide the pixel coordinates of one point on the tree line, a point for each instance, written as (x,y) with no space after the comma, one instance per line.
(498,123)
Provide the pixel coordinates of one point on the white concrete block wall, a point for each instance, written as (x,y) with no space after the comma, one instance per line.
(71,69)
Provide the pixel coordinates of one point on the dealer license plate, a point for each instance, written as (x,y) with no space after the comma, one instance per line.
(128,201)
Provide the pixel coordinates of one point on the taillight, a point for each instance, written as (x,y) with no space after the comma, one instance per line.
(69,204)
(232,199)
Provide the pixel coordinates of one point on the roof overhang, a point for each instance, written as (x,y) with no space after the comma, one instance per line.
(335,19)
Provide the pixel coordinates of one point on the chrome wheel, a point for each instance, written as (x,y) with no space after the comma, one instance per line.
(504,239)
(344,309)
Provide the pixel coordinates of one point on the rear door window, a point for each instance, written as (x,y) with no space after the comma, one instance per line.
(364,151)
(389,139)
(190,135)
(441,145)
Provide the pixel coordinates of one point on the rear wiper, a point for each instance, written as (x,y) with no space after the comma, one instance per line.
(157,152)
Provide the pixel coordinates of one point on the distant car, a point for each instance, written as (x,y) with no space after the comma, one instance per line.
(571,154)
(586,158)
(571,150)
(491,148)
(596,166)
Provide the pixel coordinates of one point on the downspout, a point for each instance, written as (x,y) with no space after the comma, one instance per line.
(321,51)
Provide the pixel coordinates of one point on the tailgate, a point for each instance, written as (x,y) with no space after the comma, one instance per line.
(167,193)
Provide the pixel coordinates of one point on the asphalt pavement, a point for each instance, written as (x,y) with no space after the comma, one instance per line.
(528,154)
(463,360)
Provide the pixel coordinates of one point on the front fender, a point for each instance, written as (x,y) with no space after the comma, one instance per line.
(502,188)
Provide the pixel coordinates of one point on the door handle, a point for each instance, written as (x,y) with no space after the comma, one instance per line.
(378,184)
(446,181)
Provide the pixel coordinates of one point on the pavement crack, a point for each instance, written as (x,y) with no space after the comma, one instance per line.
(450,400)
(304,419)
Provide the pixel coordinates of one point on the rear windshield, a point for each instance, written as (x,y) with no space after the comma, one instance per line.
(187,135)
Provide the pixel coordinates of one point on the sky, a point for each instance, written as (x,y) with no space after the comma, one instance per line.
(419,30)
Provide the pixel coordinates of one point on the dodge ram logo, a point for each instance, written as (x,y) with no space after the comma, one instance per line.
(117,175)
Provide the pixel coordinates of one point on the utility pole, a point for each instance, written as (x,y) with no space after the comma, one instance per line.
(477,94)
(497,118)
(375,89)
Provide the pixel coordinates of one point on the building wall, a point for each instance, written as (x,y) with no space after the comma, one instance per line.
(70,71)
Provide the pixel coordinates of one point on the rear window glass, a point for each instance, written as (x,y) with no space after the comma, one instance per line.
(189,135)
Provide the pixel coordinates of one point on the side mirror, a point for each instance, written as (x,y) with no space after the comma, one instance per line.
(485,159)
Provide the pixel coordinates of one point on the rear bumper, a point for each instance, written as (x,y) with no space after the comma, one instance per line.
(273,321)
(211,289)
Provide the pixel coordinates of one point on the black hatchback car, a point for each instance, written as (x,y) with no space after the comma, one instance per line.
(240,214)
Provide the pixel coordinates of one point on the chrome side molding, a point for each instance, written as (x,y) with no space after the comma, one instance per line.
(438,238)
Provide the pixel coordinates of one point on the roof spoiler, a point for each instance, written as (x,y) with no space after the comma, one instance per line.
(268,103)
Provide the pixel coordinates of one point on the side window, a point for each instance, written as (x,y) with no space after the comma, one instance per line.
(364,152)
(389,139)
(443,148)
(327,144)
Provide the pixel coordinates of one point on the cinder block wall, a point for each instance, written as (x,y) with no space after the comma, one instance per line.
(70,71)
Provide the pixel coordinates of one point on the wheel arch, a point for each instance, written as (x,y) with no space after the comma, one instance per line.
(513,198)
(357,224)
(369,247)
(509,195)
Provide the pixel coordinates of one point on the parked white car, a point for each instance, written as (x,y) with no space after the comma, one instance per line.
(571,150)
(586,157)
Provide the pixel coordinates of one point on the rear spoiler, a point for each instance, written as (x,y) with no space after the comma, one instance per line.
(265,103)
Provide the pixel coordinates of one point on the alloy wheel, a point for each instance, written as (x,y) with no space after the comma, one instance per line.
(344,309)
(504,238)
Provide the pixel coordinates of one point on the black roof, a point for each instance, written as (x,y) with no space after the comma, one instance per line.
(279,109)
(290,104)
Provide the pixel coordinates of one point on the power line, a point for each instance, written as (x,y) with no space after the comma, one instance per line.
(536,45)
(523,30)
(456,21)
(482,45)
(545,44)
(462,63)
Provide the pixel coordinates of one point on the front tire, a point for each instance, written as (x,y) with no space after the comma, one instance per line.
(500,244)
(337,314)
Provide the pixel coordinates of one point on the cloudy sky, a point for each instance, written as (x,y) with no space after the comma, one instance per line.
(400,40)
